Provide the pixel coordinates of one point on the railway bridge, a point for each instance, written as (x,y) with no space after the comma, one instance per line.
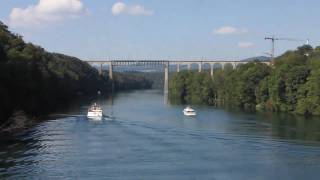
(165,64)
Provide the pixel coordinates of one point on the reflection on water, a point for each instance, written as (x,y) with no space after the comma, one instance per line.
(290,127)
(149,140)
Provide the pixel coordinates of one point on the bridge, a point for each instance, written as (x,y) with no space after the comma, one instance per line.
(165,64)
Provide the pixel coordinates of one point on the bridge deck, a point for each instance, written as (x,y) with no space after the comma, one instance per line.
(161,62)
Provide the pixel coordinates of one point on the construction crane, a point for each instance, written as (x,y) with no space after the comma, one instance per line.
(273,39)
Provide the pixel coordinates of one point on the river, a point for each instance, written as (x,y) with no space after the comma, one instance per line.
(147,139)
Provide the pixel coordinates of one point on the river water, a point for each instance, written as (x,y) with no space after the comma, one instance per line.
(147,139)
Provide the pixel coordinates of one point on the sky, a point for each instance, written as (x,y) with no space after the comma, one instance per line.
(163,29)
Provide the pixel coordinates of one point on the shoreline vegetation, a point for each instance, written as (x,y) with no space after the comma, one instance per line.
(291,85)
(35,82)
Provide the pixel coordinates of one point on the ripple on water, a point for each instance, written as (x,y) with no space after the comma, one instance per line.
(160,144)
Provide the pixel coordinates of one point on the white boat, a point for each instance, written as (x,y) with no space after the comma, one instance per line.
(188,111)
(95,112)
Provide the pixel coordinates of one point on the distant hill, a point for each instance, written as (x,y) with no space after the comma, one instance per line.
(260,58)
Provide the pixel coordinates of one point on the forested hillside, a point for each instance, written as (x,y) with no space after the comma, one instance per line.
(292,84)
(37,82)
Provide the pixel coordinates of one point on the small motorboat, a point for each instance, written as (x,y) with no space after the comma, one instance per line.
(188,111)
(95,112)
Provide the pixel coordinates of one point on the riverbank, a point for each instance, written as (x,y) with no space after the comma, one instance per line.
(35,82)
(291,84)
(19,120)
(148,139)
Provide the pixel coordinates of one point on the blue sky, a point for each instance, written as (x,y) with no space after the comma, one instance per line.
(162,29)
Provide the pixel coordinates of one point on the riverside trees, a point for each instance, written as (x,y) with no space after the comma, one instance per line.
(292,84)
(37,82)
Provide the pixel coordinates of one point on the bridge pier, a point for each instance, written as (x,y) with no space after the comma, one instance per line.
(162,63)
(166,81)
(222,66)
(101,70)
(111,71)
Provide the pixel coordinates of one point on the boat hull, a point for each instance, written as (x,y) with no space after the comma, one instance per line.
(189,113)
(95,115)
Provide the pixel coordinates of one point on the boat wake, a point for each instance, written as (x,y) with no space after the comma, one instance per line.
(104,116)
(107,117)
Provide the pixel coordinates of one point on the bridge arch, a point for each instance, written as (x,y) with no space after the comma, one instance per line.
(206,66)
(228,66)
(166,64)
(194,66)
(217,65)
(238,64)
(181,67)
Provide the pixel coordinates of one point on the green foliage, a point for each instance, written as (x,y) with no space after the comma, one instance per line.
(309,93)
(228,68)
(191,87)
(2,54)
(37,81)
(241,84)
(177,87)
(305,49)
(292,84)
(131,80)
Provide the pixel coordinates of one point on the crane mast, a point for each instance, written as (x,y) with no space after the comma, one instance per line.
(272,48)
(273,39)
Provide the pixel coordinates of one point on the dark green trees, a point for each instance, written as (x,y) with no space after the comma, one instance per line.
(36,81)
(231,87)
(191,87)
(309,93)
(292,84)
(241,84)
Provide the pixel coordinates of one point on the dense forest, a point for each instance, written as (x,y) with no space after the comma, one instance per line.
(138,80)
(291,84)
(36,82)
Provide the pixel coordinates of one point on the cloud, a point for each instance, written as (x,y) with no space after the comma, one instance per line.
(245,44)
(121,8)
(46,11)
(118,8)
(230,30)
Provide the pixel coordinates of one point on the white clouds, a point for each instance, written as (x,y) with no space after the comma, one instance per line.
(118,8)
(121,8)
(230,30)
(140,10)
(46,11)
(245,44)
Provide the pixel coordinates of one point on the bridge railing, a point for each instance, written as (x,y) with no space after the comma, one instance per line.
(153,63)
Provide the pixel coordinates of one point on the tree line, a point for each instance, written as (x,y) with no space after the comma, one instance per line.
(37,81)
(291,84)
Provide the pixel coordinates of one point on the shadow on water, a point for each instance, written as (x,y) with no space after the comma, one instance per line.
(283,125)
(294,127)
(276,125)
(141,138)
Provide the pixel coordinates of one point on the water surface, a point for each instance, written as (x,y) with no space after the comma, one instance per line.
(147,139)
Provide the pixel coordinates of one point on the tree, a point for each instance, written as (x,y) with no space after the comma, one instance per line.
(3,57)
(31,77)
(305,49)
(309,93)
(242,83)
(177,87)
